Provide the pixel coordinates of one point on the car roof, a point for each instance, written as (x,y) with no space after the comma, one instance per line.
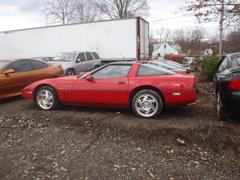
(5,60)
(131,62)
(123,63)
(232,54)
(79,52)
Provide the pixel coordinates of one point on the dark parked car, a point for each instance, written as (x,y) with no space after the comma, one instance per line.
(227,86)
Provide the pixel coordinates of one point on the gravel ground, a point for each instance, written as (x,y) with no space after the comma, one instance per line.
(101,143)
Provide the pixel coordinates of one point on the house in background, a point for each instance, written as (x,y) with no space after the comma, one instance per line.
(165,48)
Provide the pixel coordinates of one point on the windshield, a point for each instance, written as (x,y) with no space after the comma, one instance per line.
(65,57)
(3,63)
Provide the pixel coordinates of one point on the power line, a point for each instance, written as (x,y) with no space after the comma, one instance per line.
(175,17)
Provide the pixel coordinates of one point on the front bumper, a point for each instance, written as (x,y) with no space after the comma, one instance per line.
(27,93)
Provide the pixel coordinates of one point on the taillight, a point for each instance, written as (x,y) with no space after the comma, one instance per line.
(234,84)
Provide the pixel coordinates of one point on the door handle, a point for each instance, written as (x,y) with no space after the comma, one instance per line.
(121,82)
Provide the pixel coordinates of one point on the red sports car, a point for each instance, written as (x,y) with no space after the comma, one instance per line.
(142,86)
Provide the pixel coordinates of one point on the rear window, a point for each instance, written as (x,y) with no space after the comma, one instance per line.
(38,65)
(153,70)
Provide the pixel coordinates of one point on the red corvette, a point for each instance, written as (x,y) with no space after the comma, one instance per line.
(142,86)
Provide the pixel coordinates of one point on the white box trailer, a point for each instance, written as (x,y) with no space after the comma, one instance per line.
(123,39)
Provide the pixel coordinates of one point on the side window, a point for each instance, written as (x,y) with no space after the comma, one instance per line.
(223,65)
(38,65)
(96,56)
(229,63)
(112,71)
(21,66)
(82,57)
(153,70)
(236,61)
(89,56)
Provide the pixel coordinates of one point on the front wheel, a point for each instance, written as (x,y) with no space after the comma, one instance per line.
(147,104)
(69,72)
(46,98)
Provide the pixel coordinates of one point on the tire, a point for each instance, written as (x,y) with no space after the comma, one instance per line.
(147,104)
(221,113)
(69,72)
(46,98)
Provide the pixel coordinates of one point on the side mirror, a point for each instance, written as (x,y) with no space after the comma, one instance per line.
(78,60)
(9,71)
(89,78)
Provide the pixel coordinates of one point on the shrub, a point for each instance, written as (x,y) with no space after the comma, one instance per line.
(209,67)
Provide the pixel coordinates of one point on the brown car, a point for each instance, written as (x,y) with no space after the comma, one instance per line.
(15,75)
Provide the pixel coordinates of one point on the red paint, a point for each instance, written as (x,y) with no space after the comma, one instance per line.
(176,89)
(234,84)
(174,57)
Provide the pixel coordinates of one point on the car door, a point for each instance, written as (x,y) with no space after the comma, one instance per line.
(107,86)
(16,81)
(80,65)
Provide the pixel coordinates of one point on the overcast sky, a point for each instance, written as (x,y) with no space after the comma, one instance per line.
(17,14)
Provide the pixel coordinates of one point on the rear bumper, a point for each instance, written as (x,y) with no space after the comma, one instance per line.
(180,97)
(231,102)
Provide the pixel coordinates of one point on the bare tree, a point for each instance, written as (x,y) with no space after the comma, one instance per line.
(189,39)
(85,11)
(212,10)
(232,41)
(70,11)
(163,35)
(59,11)
(123,8)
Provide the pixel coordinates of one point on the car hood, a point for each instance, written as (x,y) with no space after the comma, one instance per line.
(65,78)
(52,81)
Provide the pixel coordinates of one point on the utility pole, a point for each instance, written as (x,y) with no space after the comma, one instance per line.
(221,30)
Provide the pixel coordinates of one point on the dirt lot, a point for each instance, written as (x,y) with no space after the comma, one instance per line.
(100,143)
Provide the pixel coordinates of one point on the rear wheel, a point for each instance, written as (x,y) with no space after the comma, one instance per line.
(46,98)
(69,72)
(147,104)
(221,113)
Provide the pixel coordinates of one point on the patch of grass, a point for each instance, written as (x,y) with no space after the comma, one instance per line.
(209,67)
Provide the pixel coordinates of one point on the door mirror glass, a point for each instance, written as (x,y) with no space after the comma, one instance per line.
(9,71)
(78,60)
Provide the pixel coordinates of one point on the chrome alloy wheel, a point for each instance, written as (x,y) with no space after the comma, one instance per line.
(45,99)
(146,105)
